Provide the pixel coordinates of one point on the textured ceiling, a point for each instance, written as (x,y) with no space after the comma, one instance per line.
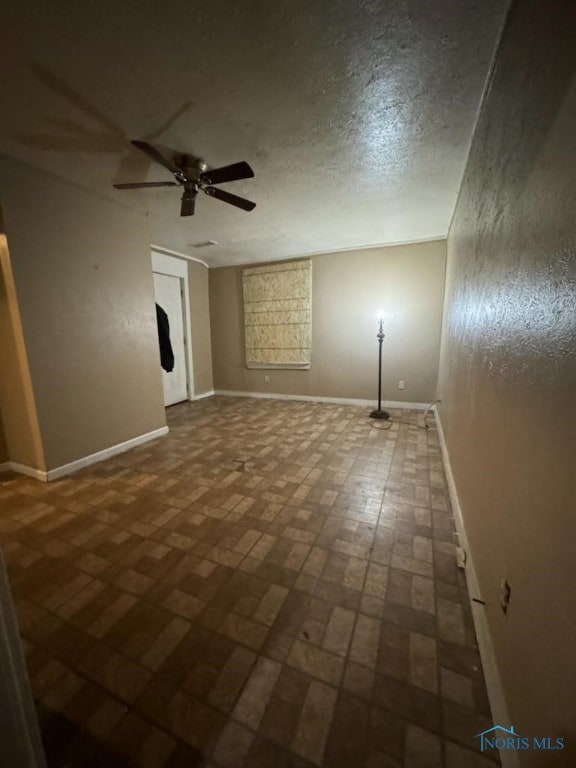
(356,116)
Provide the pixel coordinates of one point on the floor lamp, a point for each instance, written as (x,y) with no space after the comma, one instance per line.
(379,413)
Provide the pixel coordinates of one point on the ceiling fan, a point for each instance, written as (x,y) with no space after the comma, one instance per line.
(193,175)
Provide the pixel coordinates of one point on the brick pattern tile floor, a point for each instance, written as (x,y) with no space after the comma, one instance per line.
(272,585)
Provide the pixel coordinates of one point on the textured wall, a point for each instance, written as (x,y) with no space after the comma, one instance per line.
(82,276)
(348,289)
(200,324)
(507,372)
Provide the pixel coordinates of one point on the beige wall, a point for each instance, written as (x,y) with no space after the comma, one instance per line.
(507,373)
(348,289)
(200,324)
(81,267)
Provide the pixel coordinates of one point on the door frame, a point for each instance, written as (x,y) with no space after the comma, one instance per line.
(172,266)
(22,744)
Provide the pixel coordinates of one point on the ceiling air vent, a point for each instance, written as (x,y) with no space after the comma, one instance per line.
(205,244)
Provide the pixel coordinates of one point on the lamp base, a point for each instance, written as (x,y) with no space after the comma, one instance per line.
(379,414)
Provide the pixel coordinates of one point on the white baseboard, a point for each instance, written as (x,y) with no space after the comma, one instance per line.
(328,400)
(509,758)
(85,461)
(22,469)
(210,393)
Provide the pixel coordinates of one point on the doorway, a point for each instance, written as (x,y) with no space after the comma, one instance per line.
(168,292)
(170,275)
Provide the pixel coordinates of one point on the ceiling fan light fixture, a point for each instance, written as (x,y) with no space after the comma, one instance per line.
(192,174)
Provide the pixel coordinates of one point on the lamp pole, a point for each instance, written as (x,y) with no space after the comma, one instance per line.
(379,413)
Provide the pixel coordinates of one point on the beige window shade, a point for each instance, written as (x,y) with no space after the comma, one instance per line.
(277,315)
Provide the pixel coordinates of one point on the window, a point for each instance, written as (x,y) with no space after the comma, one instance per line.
(277,315)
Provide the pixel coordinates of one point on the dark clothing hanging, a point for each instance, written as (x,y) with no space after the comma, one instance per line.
(166,354)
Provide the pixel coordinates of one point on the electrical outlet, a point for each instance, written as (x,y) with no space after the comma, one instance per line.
(401,384)
(505,591)
(266,379)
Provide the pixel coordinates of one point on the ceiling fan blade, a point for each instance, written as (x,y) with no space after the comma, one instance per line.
(232,172)
(226,197)
(188,205)
(147,184)
(156,155)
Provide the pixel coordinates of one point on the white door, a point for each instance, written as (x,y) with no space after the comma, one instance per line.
(168,294)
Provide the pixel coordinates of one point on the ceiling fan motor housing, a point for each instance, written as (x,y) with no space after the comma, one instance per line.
(190,167)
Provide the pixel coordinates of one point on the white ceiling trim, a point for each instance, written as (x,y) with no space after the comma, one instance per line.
(170,252)
(370,247)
